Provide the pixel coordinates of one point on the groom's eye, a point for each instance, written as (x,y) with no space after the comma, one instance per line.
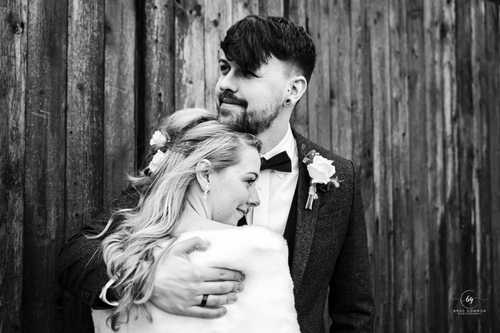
(248,73)
(223,68)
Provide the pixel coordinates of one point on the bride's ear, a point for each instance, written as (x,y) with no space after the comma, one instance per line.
(203,169)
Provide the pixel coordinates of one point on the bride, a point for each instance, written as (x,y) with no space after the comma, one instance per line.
(200,183)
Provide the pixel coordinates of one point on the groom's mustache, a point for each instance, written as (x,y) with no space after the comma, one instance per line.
(228,97)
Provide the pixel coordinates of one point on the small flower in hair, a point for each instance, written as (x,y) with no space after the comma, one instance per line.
(157,161)
(158,139)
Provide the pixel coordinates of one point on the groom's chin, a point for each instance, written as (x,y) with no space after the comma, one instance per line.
(226,116)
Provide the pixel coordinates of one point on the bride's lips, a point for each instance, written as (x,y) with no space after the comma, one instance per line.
(243,211)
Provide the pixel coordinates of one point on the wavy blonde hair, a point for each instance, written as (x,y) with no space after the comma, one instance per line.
(195,134)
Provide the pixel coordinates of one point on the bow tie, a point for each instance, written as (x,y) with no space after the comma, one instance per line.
(280,162)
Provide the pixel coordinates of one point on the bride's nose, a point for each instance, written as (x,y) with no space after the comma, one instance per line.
(253,197)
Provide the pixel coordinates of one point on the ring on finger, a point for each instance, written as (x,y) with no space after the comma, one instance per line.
(204,300)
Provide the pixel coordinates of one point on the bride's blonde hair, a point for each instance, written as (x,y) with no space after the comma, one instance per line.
(193,135)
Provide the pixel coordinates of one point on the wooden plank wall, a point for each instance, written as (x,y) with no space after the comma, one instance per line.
(408,89)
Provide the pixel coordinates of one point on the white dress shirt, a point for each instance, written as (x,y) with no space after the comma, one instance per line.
(276,189)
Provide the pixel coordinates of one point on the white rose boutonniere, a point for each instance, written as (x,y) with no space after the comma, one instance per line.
(322,171)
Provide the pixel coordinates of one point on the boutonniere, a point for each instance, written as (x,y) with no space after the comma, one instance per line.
(322,173)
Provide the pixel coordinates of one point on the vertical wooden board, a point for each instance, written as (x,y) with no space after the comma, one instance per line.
(343,75)
(438,304)
(13,48)
(378,23)
(400,147)
(45,164)
(120,95)
(335,36)
(157,44)
(243,8)
(361,111)
(419,223)
(189,57)
(452,229)
(299,120)
(271,8)
(217,21)
(492,57)
(318,91)
(481,178)
(465,115)
(84,128)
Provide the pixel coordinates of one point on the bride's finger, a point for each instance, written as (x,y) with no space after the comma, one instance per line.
(215,301)
(221,274)
(207,313)
(219,288)
(189,245)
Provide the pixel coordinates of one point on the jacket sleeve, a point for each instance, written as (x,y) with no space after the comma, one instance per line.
(351,304)
(81,268)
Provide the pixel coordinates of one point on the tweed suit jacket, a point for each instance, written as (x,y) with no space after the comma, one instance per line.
(329,254)
(330,251)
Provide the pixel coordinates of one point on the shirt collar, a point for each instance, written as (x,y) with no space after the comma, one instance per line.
(287,144)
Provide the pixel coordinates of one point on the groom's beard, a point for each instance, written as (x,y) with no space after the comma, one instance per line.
(253,122)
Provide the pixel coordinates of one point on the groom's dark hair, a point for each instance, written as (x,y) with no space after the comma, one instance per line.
(251,41)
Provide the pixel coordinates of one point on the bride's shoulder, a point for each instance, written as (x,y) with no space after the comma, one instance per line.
(254,235)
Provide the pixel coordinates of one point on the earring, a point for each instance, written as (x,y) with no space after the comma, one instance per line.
(205,191)
(288,102)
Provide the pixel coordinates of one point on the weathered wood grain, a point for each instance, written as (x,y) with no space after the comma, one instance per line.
(318,92)
(189,56)
(45,164)
(120,97)
(84,130)
(417,200)
(383,235)
(400,118)
(157,72)
(362,134)
(271,8)
(451,160)
(299,120)
(492,72)
(466,228)
(242,8)
(481,176)
(437,307)
(217,21)
(13,63)
(343,128)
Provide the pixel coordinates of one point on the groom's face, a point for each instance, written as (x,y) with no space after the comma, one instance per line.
(252,100)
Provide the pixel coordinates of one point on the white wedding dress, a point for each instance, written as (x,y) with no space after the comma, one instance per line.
(266,303)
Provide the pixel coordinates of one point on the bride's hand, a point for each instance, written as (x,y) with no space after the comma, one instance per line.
(180,285)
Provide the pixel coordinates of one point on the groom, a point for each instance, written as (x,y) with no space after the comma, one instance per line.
(265,66)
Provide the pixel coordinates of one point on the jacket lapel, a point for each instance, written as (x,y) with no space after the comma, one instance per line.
(304,233)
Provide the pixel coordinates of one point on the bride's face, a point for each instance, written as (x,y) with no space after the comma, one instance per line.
(232,191)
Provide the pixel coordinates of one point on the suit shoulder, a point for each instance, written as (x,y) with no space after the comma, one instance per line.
(340,163)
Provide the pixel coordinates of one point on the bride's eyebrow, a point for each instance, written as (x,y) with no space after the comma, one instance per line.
(253,173)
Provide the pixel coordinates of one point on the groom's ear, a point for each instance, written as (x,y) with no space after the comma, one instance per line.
(203,169)
(296,87)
